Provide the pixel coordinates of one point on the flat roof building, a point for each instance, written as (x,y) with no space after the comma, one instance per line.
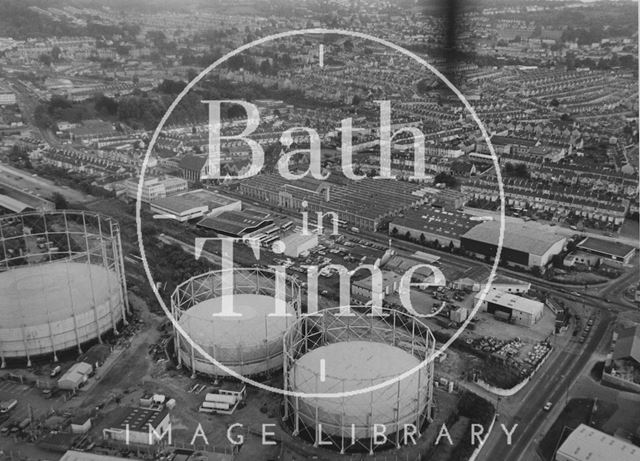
(432,223)
(518,310)
(236,223)
(297,243)
(155,188)
(588,444)
(524,245)
(16,200)
(614,251)
(72,455)
(194,204)
(142,426)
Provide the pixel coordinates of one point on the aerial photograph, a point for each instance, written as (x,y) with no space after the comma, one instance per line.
(359,230)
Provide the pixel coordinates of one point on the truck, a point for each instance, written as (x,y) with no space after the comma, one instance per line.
(7,406)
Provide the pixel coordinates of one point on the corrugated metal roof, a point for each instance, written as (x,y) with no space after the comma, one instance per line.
(84,456)
(12,204)
(530,238)
(589,444)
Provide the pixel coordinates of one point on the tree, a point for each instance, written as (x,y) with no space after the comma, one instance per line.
(56,52)
(60,201)
(447,179)
(422,239)
(45,59)
(451,246)
(394,231)
(554,103)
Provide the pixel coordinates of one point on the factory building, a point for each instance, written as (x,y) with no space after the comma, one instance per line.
(14,200)
(363,288)
(525,245)
(296,244)
(155,188)
(236,223)
(75,377)
(588,444)
(606,250)
(514,309)
(141,426)
(429,224)
(193,204)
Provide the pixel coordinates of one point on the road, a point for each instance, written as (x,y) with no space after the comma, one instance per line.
(36,185)
(552,384)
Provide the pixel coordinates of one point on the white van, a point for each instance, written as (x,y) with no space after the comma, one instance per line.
(8,405)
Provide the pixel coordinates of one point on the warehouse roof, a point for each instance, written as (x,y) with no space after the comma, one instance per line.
(514,302)
(139,419)
(450,224)
(528,237)
(84,456)
(236,222)
(628,344)
(177,204)
(12,204)
(589,444)
(605,247)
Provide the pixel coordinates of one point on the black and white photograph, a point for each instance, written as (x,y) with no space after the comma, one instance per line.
(291,230)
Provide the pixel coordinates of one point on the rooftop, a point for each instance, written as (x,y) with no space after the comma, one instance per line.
(628,344)
(606,246)
(589,444)
(514,302)
(529,237)
(451,224)
(139,419)
(84,456)
(236,222)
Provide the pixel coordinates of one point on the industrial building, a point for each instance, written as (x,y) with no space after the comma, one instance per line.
(14,200)
(607,250)
(297,243)
(588,444)
(236,223)
(194,204)
(525,245)
(358,353)
(363,204)
(429,224)
(73,455)
(75,377)
(363,288)
(500,283)
(622,367)
(56,297)
(139,426)
(155,188)
(514,309)
(250,343)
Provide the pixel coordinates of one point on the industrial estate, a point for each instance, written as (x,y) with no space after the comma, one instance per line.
(461,283)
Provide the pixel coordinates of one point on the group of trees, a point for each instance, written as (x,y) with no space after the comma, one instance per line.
(447,179)
(516,170)
(422,240)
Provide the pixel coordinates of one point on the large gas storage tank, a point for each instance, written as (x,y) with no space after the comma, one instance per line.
(330,353)
(250,342)
(62,282)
